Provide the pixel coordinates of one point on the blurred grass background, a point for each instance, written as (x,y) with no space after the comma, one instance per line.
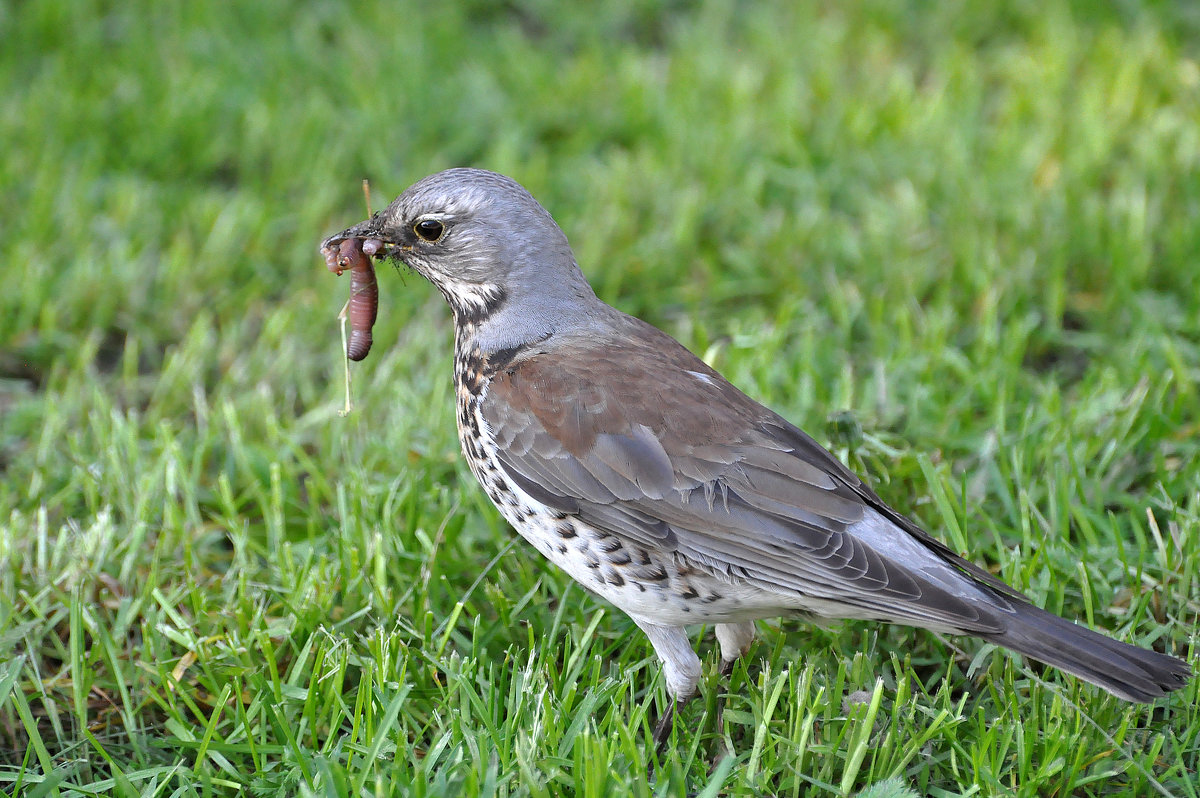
(959,243)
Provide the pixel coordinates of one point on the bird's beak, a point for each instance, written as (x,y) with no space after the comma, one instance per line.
(370,229)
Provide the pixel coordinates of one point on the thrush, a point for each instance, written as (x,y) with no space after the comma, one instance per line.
(651,480)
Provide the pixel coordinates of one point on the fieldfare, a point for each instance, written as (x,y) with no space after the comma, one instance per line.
(655,483)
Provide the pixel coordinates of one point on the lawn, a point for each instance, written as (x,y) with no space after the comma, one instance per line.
(958,243)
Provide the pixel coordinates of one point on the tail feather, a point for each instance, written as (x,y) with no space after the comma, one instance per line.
(1128,672)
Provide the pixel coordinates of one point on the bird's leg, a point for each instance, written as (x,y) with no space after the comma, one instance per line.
(662,729)
(681,669)
(735,640)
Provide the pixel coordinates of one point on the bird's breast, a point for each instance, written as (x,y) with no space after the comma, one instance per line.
(646,583)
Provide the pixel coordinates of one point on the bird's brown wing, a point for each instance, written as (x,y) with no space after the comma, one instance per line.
(637,436)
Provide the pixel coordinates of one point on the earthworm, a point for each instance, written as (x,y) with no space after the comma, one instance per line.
(355,254)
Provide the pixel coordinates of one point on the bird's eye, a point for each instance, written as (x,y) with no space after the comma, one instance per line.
(429,229)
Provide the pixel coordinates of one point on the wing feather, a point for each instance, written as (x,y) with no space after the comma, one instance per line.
(714,478)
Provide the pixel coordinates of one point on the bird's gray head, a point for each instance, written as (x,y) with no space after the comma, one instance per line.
(487,245)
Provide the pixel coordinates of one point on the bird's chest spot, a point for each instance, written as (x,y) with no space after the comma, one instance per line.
(469,377)
(479,447)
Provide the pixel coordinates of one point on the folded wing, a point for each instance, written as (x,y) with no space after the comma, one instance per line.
(668,454)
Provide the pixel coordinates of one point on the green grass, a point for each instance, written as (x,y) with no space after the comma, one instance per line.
(961,246)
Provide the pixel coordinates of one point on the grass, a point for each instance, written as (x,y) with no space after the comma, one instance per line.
(959,245)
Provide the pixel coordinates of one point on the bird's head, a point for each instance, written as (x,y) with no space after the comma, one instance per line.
(478,236)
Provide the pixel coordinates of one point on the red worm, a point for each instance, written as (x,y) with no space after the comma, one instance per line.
(355,254)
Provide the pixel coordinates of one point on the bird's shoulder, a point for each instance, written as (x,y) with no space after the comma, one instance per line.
(627,375)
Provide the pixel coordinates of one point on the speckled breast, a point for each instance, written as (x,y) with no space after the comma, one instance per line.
(659,587)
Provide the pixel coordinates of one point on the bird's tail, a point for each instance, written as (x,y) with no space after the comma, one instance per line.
(1129,672)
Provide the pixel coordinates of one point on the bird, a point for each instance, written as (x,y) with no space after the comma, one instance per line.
(654,482)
